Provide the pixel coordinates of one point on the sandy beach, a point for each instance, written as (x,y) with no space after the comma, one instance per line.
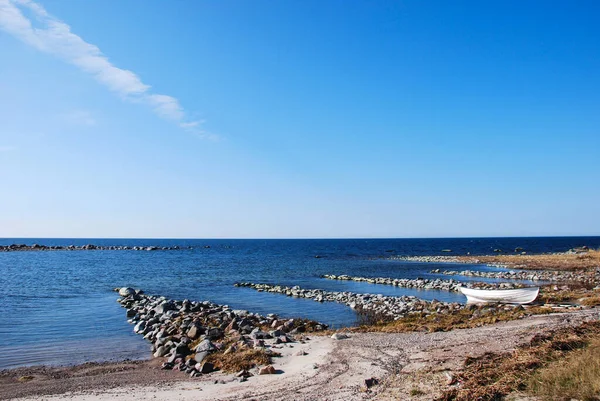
(322,368)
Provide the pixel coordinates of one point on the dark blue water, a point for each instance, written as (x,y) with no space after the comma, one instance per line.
(58,306)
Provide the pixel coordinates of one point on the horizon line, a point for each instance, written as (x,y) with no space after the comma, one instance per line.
(308,238)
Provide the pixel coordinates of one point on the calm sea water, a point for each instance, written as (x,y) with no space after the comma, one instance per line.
(58,307)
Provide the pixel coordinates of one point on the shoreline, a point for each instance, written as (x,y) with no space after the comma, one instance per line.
(203,350)
(332,369)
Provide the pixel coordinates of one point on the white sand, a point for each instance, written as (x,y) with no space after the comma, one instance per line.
(401,362)
(290,367)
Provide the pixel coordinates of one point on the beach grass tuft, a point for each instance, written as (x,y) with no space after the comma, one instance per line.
(554,366)
(244,359)
(474,316)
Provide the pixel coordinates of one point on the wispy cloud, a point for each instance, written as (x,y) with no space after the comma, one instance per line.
(50,35)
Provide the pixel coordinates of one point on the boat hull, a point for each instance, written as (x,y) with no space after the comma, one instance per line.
(515,296)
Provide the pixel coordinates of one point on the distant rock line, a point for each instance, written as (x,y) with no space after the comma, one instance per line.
(90,247)
(423,283)
(394,307)
(537,275)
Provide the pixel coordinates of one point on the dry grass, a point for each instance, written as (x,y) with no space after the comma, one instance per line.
(569,294)
(415,392)
(575,377)
(537,367)
(588,261)
(591,301)
(475,316)
(242,360)
(548,296)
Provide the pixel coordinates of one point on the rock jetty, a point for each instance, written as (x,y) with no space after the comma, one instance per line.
(537,275)
(447,259)
(393,307)
(88,247)
(423,283)
(429,259)
(187,333)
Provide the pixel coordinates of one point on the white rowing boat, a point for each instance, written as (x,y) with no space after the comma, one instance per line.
(516,296)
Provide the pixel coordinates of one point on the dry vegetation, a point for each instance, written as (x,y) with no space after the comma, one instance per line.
(575,377)
(586,261)
(245,359)
(564,364)
(575,293)
(473,316)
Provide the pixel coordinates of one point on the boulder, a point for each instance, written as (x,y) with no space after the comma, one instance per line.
(214,333)
(126,291)
(200,356)
(160,351)
(140,327)
(195,331)
(267,370)
(182,349)
(205,346)
(164,307)
(206,367)
(339,336)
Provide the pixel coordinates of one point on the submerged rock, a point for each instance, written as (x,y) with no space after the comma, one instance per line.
(126,291)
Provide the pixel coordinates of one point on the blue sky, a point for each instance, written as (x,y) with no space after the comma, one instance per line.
(287,119)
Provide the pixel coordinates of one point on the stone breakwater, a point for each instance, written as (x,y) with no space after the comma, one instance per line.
(394,307)
(447,259)
(538,275)
(187,333)
(429,259)
(423,284)
(88,247)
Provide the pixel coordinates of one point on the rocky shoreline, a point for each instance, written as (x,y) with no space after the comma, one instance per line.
(424,284)
(429,259)
(88,247)
(393,307)
(191,334)
(537,275)
(448,259)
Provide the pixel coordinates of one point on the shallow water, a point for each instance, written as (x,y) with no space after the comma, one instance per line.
(58,307)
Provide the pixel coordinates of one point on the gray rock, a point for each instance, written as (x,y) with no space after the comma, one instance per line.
(195,331)
(205,346)
(160,352)
(126,291)
(339,336)
(164,307)
(138,328)
(214,333)
(200,356)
